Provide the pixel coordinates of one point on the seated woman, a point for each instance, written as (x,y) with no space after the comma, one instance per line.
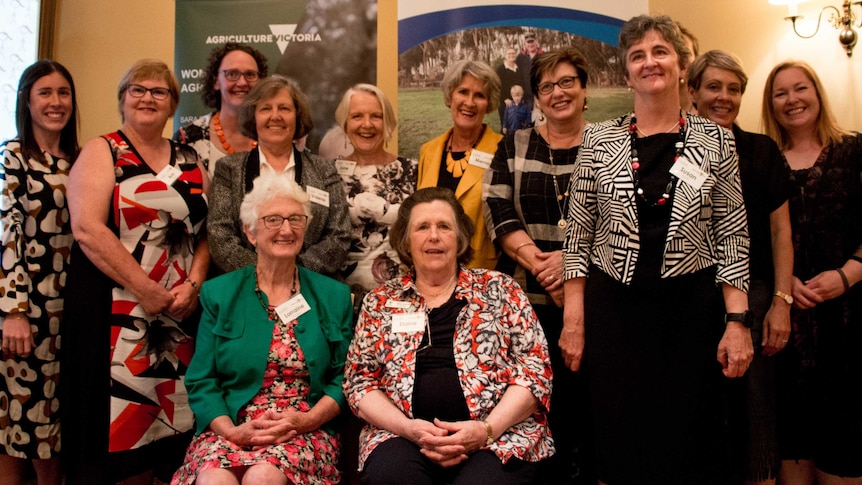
(276,113)
(265,379)
(449,365)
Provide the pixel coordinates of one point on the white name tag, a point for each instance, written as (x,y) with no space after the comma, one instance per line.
(292,308)
(402,305)
(345,167)
(169,174)
(481,159)
(320,197)
(689,172)
(408,322)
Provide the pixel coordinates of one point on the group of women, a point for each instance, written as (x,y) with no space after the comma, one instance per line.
(560,305)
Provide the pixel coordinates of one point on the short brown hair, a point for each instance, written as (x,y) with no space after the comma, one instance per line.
(399,233)
(267,88)
(636,28)
(719,59)
(548,61)
(146,69)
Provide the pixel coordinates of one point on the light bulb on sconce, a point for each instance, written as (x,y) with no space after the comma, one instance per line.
(843,20)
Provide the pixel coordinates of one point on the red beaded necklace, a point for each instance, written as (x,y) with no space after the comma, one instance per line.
(220,133)
(679,146)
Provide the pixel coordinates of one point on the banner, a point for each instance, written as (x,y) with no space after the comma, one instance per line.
(325,45)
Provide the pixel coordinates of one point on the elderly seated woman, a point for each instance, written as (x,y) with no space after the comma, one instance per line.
(265,379)
(449,365)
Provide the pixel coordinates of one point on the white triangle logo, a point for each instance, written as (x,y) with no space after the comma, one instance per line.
(282,33)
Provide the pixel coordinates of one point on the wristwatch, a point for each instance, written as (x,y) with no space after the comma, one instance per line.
(745,318)
(784,296)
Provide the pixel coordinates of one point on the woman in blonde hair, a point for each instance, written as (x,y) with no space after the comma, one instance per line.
(819,391)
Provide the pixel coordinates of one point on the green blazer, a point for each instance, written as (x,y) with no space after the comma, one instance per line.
(235,333)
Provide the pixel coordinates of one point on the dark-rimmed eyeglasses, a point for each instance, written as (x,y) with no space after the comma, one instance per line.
(234,74)
(275,221)
(564,83)
(138,91)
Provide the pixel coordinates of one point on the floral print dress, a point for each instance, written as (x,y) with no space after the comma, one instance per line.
(310,458)
(374,195)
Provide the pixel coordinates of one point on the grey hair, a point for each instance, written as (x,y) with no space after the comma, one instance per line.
(267,188)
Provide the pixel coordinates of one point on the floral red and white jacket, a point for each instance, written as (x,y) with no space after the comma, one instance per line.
(498,342)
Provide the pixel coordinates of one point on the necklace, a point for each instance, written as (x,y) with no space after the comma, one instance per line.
(561,198)
(457,166)
(220,133)
(679,146)
(269,309)
(429,296)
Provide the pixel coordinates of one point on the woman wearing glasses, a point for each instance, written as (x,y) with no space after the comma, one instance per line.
(448,365)
(265,380)
(138,209)
(275,113)
(526,201)
(232,70)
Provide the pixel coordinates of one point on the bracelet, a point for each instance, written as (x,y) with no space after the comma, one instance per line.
(856,258)
(194,285)
(518,249)
(490,440)
(843,279)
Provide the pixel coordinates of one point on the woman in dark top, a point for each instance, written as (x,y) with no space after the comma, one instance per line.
(819,375)
(526,200)
(716,83)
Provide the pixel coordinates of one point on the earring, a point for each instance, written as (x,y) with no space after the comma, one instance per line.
(585,105)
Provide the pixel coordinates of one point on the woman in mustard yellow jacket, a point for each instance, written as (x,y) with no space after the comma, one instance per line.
(458,158)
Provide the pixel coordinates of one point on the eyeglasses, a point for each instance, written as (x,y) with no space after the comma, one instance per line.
(138,91)
(234,74)
(564,83)
(275,221)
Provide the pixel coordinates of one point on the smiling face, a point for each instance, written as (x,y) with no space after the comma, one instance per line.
(434,238)
(364,123)
(50,104)
(469,103)
(652,65)
(719,96)
(794,100)
(147,111)
(560,104)
(232,92)
(275,120)
(511,55)
(277,244)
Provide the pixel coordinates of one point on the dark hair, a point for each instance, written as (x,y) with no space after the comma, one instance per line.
(687,34)
(636,28)
(548,61)
(267,88)
(210,95)
(24,120)
(399,232)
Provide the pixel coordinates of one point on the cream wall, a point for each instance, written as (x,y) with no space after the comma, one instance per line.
(757,32)
(98,39)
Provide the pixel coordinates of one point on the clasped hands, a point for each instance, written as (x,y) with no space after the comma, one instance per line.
(548,272)
(447,443)
(271,428)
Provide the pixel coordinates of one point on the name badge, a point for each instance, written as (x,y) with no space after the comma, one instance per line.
(292,308)
(320,197)
(345,167)
(169,175)
(402,305)
(408,322)
(689,173)
(481,159)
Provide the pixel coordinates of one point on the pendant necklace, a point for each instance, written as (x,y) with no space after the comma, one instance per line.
(270,310)
(457,166)
(561,199)
(679,147)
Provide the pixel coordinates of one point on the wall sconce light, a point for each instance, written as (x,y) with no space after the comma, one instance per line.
(843,20)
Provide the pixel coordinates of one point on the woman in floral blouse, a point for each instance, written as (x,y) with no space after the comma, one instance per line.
(448,365)
(375,183)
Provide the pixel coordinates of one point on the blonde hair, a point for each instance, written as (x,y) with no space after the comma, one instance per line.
(389,119)
(828,130)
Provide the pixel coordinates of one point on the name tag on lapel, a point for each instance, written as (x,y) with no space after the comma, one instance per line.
(320,197)
(169,175)
(408,322)
(481,159)
(689,173)
(292,308)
